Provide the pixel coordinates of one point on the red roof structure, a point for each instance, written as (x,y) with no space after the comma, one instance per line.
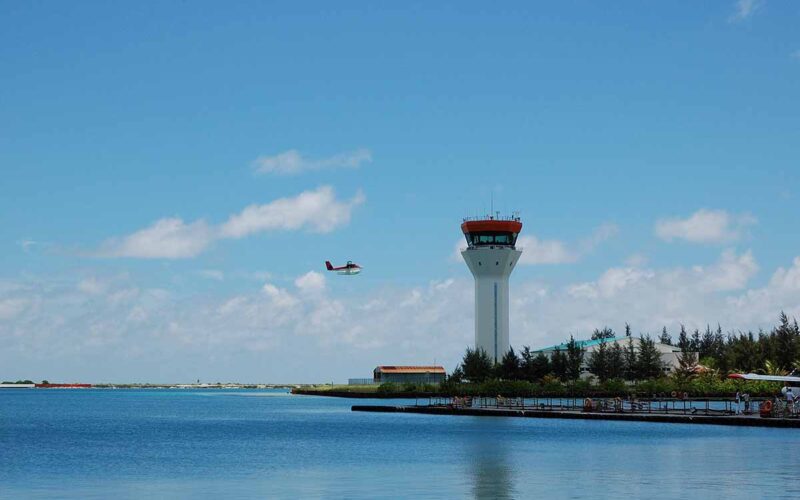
(491,225)
(410,369)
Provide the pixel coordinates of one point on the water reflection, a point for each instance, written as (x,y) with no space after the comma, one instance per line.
(489,447)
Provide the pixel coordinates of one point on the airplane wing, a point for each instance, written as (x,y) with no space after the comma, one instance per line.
(770,378)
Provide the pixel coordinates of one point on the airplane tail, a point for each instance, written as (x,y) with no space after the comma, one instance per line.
(328,265)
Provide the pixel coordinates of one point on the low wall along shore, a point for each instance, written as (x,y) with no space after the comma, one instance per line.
(735,420)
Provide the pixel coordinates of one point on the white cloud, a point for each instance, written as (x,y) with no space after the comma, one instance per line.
(91,286)
(292,162)
(652,298)
(172,238)
(732,272)
(341,334)
(11,307)
(536,251)
(601,234)
(27,244)
(705,226)
(787,279)
(149,328)
(636,260)
(259,275)
(317,210)
(168,238)
(311,283)
(744,9)
(280,297)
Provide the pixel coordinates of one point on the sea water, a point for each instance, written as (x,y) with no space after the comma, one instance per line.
(269,444)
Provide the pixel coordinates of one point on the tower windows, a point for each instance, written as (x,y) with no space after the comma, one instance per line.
(485,238)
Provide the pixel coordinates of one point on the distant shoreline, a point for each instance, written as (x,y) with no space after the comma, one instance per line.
(149,386)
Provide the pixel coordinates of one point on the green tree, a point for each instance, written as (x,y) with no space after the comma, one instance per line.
(616,361)
(719,349)
(574,359)
(786,342)
(605,333)
(526,364)
(665,338)
(649,362)
(476,365)
(707,343)
(696,340)
(457,376)
(630,361)
(597,363)
(559,364)
(541,366)
(509,366)
(687,359)
(743,353)
(533,367)
(771,368)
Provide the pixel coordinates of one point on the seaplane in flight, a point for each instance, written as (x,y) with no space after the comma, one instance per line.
(348,269)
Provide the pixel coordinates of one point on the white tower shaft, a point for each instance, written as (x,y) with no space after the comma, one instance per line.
(491,266)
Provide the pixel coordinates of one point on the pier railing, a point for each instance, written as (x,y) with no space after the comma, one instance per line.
(664,406)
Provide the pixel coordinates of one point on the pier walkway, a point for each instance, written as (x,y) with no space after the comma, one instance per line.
(683,411)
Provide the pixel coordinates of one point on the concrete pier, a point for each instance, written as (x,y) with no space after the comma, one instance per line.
(736,420)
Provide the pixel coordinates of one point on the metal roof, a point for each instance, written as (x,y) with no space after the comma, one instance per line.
(410,369)
(583,344)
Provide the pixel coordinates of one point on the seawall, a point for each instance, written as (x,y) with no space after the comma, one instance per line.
(734,420)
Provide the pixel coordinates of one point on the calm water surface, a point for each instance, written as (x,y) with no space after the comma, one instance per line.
(242,443)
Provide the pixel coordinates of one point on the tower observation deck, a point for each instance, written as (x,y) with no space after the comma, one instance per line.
(491,255)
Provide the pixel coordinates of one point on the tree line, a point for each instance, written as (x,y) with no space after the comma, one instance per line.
(774,352)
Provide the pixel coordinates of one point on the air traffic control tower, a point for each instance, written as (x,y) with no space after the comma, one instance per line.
(491,256)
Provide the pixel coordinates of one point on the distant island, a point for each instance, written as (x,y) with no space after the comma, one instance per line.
(44,384)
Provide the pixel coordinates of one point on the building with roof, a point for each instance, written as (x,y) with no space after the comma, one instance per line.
(669,353)
(409,374)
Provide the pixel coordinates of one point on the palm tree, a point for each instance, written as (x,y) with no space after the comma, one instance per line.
(771,368)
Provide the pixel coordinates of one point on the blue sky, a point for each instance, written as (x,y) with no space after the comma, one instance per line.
(651,151)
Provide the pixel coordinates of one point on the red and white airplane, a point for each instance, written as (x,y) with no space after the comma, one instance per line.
(349,269)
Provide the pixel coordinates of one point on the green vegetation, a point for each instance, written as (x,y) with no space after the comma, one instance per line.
(702,386)
(621,368)
(18,382)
